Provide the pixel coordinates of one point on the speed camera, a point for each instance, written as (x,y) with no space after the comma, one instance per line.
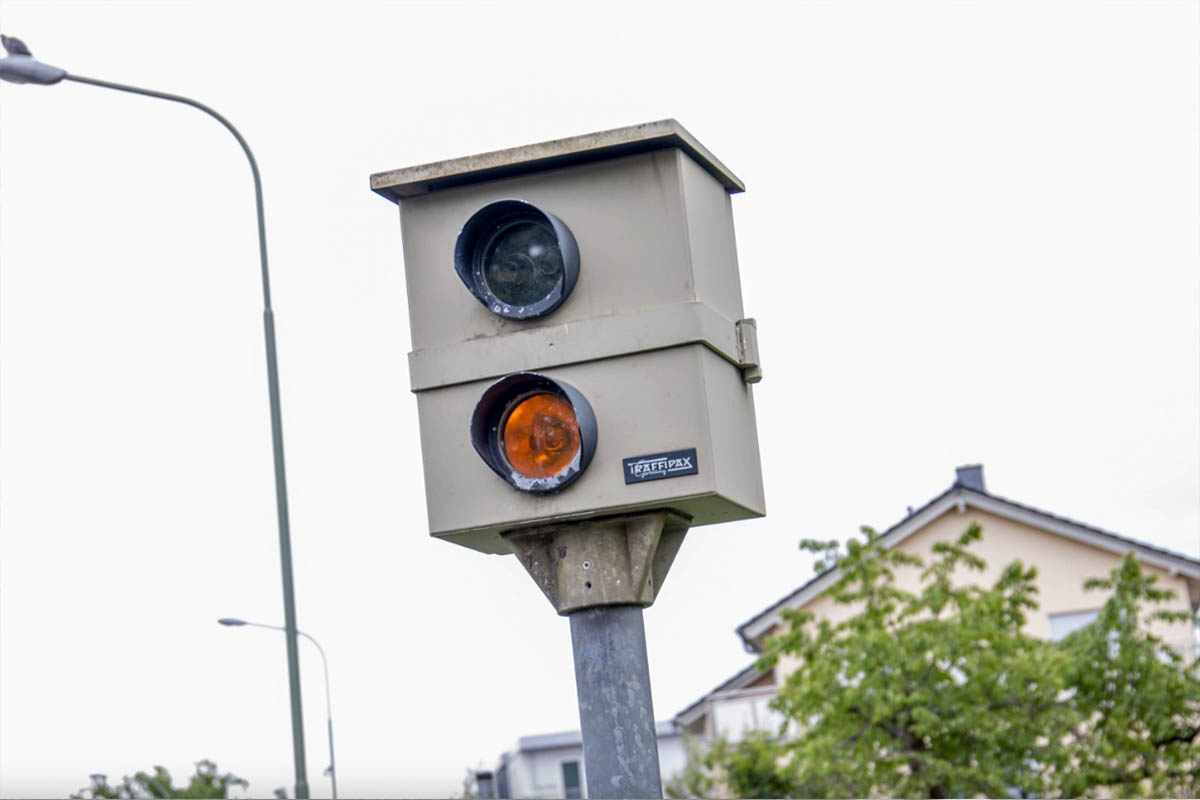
(579,347)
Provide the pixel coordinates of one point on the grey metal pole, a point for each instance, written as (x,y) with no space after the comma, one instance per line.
(332,766)
(616,715)
(281,505)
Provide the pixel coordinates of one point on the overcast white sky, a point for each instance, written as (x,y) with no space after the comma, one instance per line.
(969,234)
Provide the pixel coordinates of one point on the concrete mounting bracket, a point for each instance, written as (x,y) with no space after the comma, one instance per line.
(601,562)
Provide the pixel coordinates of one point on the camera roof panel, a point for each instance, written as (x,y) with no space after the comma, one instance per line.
(574,150)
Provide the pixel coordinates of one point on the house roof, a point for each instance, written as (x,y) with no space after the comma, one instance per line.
(968,490)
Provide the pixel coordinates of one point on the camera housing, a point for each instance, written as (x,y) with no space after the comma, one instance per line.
(653,334)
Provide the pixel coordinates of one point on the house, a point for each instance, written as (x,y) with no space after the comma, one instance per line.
(1064,551)
(551,765)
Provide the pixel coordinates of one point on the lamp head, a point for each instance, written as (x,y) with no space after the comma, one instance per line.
(231,621)
(19,66)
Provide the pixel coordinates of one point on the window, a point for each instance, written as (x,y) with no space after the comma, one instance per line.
(570,773)
(1063,625)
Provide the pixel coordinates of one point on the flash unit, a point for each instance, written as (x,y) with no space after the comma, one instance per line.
(519,261)
(537,433)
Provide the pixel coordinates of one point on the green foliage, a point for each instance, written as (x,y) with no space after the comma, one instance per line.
(748,768)
(695,779)
(753,768)
(206,783)
(941,693)
(1137,701)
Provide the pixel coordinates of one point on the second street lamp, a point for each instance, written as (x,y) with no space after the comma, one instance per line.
(19,66)
(234,622)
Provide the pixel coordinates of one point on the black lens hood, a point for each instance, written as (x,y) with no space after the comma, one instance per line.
(499,398)
(478,230)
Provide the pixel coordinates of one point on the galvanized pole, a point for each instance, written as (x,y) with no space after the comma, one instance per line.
(281,504)
(616,715)
(600,574)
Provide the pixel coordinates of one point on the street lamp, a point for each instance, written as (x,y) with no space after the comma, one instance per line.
(233,622)
(19,66)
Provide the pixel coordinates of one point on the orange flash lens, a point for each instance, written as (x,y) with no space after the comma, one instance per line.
(541,436)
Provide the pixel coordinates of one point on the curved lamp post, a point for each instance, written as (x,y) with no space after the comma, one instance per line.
(19,66)
(233,622)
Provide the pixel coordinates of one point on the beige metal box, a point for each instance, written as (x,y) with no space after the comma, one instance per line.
(652,334)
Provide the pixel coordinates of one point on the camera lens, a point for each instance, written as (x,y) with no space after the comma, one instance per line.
(521,262)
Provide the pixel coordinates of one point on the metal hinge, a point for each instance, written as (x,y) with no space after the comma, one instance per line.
(747,343)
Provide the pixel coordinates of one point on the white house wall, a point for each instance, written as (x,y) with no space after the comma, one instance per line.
(538,773)
(735,715)
(671,756)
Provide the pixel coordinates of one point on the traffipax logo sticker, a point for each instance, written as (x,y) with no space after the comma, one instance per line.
(655,467)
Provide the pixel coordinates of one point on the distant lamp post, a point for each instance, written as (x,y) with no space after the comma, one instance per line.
(19,66)
(233,622)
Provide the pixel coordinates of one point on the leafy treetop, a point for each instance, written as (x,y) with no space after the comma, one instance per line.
(939,692)
(207,782)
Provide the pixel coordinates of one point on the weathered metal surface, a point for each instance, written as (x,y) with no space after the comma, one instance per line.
(601,562)
(616,713)
(573,343)
(652,230)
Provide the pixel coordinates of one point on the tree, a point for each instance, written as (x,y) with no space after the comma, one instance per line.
(743,769)
(940,693)
(935,694)
(695,779)
(1136,699)
(205,783)
(470,786)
